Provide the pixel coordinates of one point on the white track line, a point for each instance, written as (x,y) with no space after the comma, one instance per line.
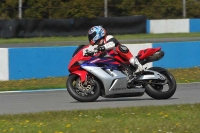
(32,90)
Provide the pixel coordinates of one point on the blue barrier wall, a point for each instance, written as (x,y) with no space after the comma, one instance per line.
(148,26)
(179,54)
(194,25)
(42,62)
(39,62)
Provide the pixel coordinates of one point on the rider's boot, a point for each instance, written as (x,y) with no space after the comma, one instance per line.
(139,68)
(134,61)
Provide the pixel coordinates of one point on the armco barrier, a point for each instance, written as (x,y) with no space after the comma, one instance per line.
(4,69)
(173,26)
(37,62)
(41,62)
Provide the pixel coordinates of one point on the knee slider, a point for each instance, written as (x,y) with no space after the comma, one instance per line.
(123,49)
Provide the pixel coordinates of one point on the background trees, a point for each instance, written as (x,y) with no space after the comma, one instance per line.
(54,9)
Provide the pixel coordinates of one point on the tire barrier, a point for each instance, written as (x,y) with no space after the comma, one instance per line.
(24,28)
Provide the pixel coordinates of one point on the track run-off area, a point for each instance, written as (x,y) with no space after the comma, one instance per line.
(17,102)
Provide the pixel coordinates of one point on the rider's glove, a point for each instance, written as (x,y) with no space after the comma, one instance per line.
(89,53)
(101,48)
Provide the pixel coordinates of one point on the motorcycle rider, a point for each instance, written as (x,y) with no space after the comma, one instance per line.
(97,36)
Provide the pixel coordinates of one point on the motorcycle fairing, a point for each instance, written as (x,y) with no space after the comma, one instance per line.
(105,62)
(142,54)
(78,56)
(151,75)
(82,74)
(93,62)
(114,81)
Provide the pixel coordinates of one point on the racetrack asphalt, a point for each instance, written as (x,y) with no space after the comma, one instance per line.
(55,100)
(127,41)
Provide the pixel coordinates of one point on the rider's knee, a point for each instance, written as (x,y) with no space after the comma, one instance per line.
(123,49)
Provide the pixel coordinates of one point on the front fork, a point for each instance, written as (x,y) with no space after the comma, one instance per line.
(84,77)
(82,74)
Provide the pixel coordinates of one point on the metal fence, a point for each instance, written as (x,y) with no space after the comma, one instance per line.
(18,12)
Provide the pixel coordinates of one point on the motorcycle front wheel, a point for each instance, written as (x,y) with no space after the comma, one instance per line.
(82,92)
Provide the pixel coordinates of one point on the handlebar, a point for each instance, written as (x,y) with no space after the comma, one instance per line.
(89,53)
(95,51)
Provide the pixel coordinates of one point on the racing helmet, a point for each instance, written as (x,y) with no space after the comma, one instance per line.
(95,34)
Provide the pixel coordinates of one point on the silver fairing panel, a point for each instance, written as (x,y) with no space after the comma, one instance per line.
(114,82)
(154,75)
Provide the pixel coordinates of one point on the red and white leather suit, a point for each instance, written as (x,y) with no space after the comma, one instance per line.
(111,43)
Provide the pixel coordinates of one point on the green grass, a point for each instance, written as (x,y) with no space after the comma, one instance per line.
(149,119)
(33,84)
(185,75)
(84,38)
(41,39)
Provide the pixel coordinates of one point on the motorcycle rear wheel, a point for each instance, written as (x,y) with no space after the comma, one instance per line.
(156,91)
(76,93)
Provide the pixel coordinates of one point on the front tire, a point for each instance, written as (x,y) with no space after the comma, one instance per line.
(85,94)
(156,91)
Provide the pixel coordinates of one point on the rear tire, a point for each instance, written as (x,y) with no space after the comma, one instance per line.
(156,91)
(78,94)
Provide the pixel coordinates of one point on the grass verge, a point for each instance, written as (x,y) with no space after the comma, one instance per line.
(182,75)
(149,119)
(84,38)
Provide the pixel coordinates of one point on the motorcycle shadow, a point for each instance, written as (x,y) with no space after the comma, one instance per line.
(127,99)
